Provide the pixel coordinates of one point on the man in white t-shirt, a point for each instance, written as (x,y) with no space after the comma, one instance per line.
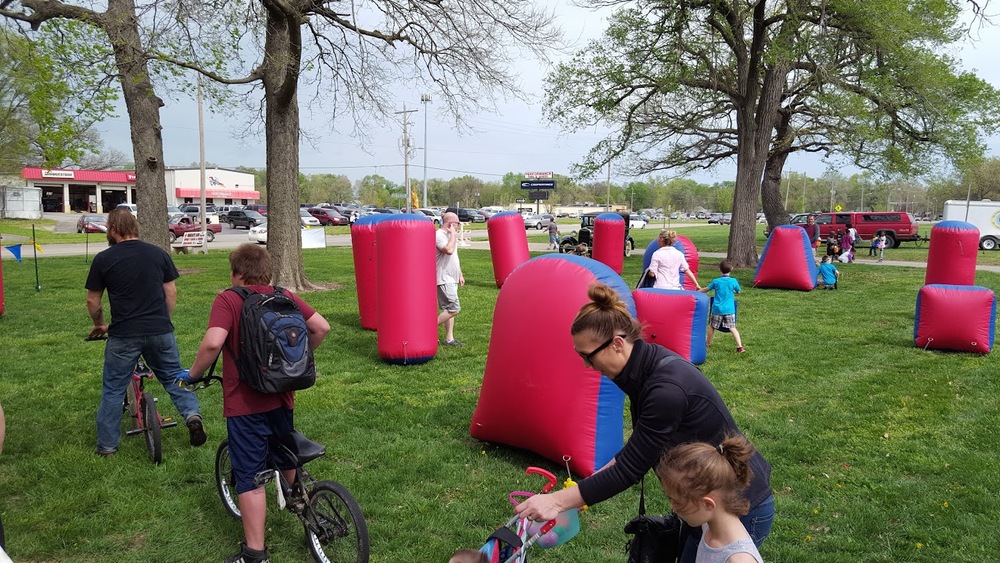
(449,276)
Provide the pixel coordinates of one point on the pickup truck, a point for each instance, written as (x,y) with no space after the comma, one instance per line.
(180,224)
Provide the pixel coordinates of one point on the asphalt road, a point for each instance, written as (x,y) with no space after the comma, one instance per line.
(231,238)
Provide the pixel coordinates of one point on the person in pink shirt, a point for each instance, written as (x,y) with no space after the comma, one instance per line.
(668,262)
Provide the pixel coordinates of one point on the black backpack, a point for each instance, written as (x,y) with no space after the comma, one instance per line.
(274,354)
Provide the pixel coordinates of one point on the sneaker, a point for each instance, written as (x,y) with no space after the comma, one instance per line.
(453,343)
(247,555)
(196,430)
(106,453)
(741,349)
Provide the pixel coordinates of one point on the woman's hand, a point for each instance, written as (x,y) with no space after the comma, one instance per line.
(541,508)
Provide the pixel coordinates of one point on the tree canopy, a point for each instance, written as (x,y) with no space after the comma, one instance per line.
(689,85)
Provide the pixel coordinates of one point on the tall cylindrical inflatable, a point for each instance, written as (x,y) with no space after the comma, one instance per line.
(406,289)
(609,241)
(508,243)
(365,252)
(951,258)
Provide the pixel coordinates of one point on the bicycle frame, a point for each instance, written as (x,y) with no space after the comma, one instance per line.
(137,389)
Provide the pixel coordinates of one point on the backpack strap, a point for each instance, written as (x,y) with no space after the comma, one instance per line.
(243,292)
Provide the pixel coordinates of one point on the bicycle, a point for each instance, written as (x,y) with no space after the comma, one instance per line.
(334,525)
(141,407)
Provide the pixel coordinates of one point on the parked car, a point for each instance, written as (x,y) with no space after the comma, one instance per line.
(466,215)
(224,210)
(307,219)
(258,207)
(637,223)
(715,219)
(181,224)
(92,224)
(194,210)
(898,226)
(727,219)
(245,218)
(130,206)
(538,221)
(258,234)
(581,241)
(328,216)
(433,214)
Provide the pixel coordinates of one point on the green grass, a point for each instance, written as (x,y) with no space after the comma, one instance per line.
(881,451)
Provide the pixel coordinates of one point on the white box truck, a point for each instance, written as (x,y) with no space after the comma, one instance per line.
(985,215)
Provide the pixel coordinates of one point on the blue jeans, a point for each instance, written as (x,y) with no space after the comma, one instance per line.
(120,357)
(757,522)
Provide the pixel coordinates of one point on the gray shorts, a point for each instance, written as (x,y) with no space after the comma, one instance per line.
(723,321)
(448,297)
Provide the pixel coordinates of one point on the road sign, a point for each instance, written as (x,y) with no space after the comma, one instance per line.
(538,185)
(538,175)
(838,208)
(519,200)
(538,194)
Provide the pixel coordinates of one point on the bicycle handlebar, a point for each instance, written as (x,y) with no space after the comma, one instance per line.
(202,383)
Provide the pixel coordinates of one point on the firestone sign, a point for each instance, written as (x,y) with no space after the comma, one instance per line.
(57,174)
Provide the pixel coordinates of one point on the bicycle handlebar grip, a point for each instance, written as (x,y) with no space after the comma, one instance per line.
(547,474)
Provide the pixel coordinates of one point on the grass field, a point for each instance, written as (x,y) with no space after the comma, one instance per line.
(881,451)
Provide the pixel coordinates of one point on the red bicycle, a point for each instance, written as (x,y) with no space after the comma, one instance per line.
(141,407)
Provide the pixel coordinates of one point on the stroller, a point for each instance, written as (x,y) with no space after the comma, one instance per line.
(510,543)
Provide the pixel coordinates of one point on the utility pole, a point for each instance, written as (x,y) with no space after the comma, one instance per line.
(788,188)
(405,143)
(201,166)
(425,99)
(609,186)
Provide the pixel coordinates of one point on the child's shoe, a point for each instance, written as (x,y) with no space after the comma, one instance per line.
(741,349)
(247,555)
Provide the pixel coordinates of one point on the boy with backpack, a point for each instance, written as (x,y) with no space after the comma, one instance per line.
(256,398)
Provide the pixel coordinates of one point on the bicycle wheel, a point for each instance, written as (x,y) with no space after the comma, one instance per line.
(151,427)
(334,525)
(225,483)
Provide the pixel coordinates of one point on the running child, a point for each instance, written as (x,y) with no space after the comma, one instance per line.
(724,305)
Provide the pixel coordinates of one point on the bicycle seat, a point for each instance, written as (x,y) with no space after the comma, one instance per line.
(301,447)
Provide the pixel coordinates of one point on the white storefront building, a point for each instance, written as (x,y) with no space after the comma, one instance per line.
(99,191)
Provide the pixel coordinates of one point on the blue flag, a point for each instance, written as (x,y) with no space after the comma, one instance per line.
(15,249)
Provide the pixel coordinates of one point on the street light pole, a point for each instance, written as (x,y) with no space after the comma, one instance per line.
(425,99)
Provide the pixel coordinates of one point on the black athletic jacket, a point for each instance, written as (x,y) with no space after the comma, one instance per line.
(671,404)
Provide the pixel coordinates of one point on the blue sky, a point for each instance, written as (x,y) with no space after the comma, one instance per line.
(514,139)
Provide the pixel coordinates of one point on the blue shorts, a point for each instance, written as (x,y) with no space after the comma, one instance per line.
(248,444)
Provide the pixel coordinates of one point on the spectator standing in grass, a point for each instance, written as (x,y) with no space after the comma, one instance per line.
(251,417)
(704,483)
(553,234)
(812,229)
(881,245)
(668,263)
(139,278)
(671,402)
(449,276)
(833,245)
(873,248)
(828,274)
(724,305)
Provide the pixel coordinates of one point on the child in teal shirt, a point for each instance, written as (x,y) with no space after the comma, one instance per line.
(724,305)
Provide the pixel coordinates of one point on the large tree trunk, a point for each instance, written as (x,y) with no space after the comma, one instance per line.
(143,108)
(770,187)
(283,48)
